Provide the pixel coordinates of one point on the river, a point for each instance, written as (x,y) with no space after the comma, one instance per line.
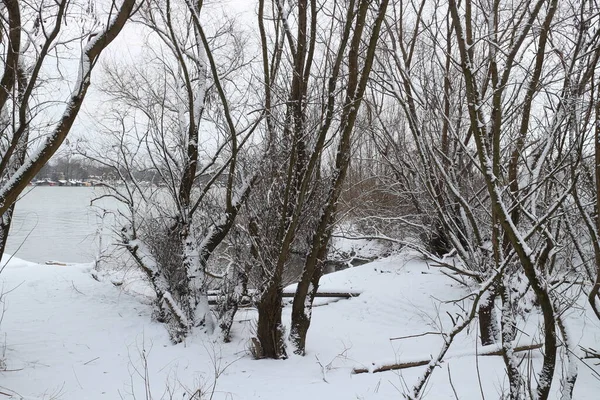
(58,224)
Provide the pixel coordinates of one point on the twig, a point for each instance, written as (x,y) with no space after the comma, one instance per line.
(94,359)
(452,383)
(76,377)
(77,290)
(417,335)
(478,371)
(323,369)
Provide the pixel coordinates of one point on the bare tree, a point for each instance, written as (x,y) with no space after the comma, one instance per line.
(315,68)
(32,33)
(169,125)
(359,69)
(492,97)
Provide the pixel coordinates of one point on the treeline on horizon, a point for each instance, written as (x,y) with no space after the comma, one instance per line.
(75,167)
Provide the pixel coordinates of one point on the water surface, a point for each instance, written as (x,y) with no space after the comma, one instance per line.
(58,224)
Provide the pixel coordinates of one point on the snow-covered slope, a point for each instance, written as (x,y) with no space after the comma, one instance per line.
(69,336)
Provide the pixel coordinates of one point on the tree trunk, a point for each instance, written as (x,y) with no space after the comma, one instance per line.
(196,295)
(488,326)
(302,311)
(5,222)
(509,325)
(232,293)
(269,330)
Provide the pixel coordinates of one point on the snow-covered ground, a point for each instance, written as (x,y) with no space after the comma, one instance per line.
(68,336)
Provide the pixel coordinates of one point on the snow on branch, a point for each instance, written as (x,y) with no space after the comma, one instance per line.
(143,257)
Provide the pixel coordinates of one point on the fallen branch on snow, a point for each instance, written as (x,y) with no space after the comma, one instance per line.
(493,350)
(290,293)
(215,295)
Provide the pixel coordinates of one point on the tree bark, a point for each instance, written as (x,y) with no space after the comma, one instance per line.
(488,326)
(269,329)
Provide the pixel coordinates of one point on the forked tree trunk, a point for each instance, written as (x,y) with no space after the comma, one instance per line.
(356,85)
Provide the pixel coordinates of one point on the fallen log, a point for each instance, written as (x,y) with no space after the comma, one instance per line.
(492,350)
(214,295)
(343,295)
(62,264)
(346,294)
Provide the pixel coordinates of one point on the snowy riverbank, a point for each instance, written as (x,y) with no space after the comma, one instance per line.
(68,336)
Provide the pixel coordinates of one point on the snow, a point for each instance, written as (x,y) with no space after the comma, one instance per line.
(70,336)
